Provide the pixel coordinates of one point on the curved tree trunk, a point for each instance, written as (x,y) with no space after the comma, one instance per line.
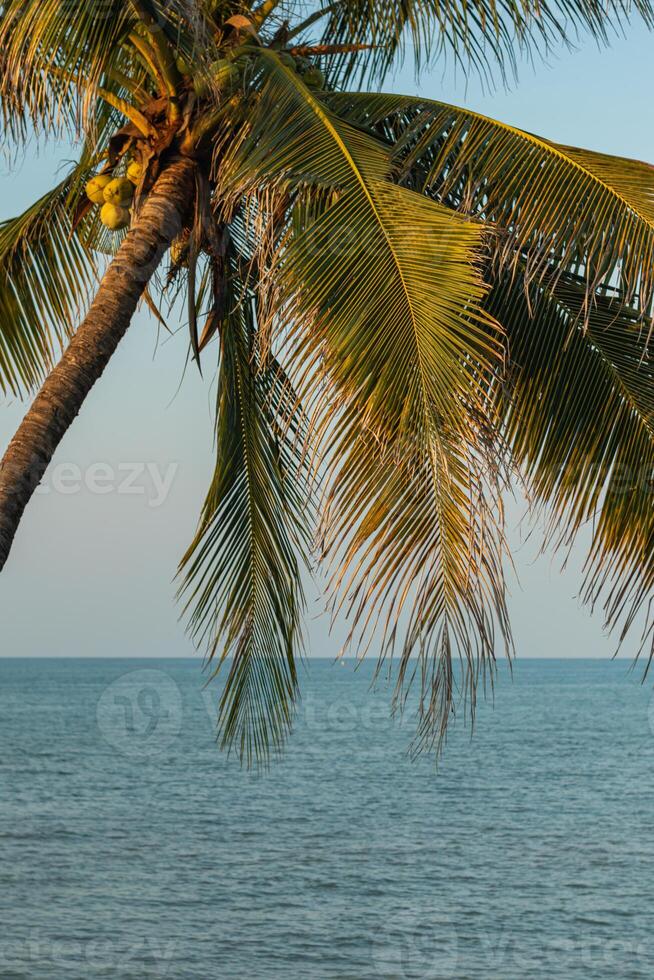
(63,392)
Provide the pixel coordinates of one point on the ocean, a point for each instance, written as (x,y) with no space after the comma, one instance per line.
(131,847)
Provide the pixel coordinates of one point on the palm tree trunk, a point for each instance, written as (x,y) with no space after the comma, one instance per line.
(63,392)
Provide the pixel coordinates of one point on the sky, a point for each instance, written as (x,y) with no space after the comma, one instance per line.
(92,569)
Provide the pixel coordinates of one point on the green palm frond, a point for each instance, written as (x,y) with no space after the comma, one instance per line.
(484,35)
(56,55)
(409,297)
(53,55)
(579,414)
(242,573)
(394,358)
(46,273)
(581,210)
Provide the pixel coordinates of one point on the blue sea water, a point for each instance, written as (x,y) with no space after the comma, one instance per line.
(131,847)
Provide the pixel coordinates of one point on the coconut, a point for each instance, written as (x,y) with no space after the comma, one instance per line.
(114,216)
(200,86)
(313,77)
(288,60)
(221,74)
(95,187)
(183,66)
(302,64)
(134,172)
(119,191)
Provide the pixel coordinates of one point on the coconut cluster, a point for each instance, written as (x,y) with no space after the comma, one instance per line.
(115,194)
(312,75)
(223,75)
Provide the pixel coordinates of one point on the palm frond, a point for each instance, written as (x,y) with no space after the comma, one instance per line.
(53,55)
(484,35)
(341,248)
(580,210)
(579,412)
(242,573)
(393,357)
(46,272)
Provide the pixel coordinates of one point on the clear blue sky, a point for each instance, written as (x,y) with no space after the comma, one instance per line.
(91,573)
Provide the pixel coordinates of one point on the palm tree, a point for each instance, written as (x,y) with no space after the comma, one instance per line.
(410,303)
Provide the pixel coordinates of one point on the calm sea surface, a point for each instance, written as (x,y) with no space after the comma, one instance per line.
(130,847)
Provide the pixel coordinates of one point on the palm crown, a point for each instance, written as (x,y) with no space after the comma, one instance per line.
(410,303)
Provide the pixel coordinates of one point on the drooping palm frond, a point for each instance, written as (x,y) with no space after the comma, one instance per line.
(53,55)
(579,412)
(351,287)
(485,35)
(583,211)
(242,572)
(46,272)
(393,358)
(418,547)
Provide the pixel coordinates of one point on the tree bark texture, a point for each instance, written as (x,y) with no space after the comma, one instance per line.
(62,395)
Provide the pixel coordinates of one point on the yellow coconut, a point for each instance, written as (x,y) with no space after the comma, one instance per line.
(134,172)
(119,191)
(95,187)
(114,216)
(183,66)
